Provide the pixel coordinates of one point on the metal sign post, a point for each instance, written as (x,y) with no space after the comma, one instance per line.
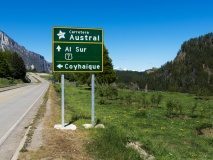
(93,99)
(62,99)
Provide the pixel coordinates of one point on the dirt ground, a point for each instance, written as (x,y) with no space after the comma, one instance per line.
(48,143)
(208,132)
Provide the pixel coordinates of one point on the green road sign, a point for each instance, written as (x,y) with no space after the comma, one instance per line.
(77,49)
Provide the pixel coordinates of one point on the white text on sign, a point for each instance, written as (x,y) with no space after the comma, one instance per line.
(77,49)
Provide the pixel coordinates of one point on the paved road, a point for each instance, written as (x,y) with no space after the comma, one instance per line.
(15,107)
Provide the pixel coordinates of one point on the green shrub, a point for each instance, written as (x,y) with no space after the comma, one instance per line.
(106,90)
(174,107)
(193,108)
(57,88)
(129,97)
(23,150)
(145,101)
(102,101)
(141,113)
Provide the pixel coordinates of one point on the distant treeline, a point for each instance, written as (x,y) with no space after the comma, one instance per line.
(11,65)
(127,79)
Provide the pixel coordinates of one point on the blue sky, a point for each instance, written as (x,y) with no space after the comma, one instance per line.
(139,34)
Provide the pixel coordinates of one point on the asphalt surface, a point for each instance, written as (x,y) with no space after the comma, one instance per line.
(17,109)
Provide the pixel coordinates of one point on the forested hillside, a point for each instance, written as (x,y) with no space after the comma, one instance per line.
(11,65)
(191,71)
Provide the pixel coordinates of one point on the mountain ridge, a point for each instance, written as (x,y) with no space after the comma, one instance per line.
(191,70)
(31,59)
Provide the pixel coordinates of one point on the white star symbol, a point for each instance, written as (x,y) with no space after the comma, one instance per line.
(61,34)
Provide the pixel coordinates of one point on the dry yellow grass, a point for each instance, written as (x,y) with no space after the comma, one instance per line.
(58,144)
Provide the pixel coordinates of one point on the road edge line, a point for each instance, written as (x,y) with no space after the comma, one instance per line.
(15,156)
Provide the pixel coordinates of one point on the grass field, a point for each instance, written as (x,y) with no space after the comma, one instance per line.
(5,82)
(166,125)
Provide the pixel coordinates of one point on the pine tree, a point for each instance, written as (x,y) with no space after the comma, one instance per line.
(18,67)
(108,75)
(4,68)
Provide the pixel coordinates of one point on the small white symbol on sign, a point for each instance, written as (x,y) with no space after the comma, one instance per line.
(68,56)
(58,48)
(59,66)
(61,34)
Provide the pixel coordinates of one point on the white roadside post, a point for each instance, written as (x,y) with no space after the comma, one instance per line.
(62,99)
(93,99)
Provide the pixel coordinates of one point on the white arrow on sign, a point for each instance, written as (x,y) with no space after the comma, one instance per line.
(59,66)
(58,48)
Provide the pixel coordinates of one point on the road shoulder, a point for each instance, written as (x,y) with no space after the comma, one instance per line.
(49,143)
